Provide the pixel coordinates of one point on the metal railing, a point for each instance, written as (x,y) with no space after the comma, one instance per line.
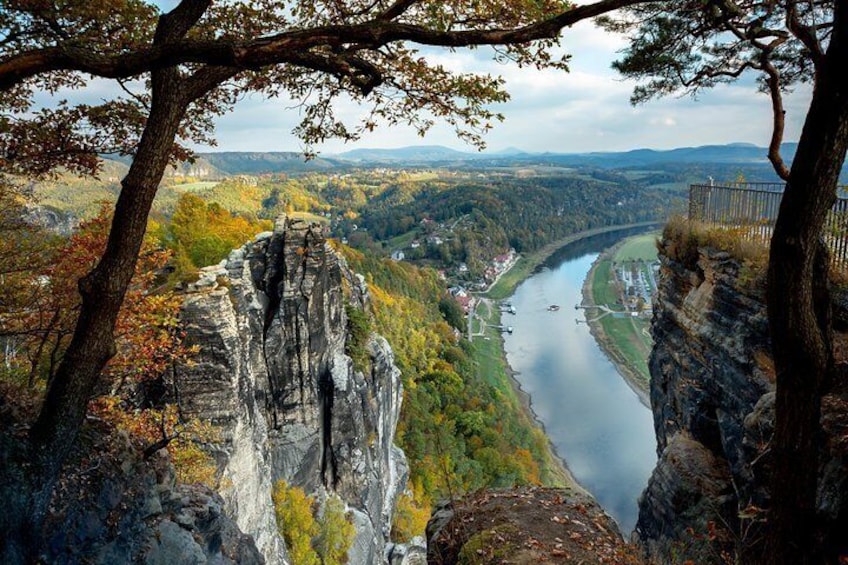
(753,208)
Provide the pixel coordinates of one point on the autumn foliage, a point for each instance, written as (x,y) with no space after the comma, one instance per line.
(37,327)
(311,540)
(40,311)
(202,233)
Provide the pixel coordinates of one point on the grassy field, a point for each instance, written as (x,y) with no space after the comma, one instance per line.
(626,340)
(603,286)
(520,271)
(194,186)
(633,345)
(403,240)
(640,247)
(488,353)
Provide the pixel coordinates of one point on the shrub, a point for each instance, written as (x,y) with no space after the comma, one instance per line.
(335,533)
(293,510)
(683,238)
(358,332)
(150,428)
(410,518)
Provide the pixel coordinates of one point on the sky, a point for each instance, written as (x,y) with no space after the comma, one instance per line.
(584,110)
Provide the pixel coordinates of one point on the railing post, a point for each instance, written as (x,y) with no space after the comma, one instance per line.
(693,212)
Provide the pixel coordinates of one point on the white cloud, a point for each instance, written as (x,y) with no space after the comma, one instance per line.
(586,109)
(666,121)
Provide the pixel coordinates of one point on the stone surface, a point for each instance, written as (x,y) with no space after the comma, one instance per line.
(112,506)
(413,553)
(523,526)
(689,489)
(713,403)
(272,371)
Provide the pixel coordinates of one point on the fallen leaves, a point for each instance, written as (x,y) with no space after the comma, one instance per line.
(541,525)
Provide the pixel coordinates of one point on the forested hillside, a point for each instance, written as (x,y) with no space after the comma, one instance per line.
(438,217)
(459,430)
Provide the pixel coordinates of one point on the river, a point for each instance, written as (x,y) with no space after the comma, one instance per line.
(594,420)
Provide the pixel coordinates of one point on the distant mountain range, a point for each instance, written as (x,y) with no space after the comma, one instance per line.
(415,153)
(223,164)
(731,153)
(216,165)
(742,153)
(266,162)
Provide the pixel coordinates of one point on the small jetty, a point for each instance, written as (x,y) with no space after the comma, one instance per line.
(553,307)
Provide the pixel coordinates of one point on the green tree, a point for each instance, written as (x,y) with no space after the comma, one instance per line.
(335,532)
(297,526)
(358,333)
(453,313)
(692,45)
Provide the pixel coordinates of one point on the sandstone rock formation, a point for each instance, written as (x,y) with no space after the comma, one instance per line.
(713,404)
(272,372)
(112,506)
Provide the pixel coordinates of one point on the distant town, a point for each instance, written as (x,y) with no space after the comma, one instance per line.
(637,284)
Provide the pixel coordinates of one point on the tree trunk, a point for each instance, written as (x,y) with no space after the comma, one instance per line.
(54,433)
(799,313)
(93,344)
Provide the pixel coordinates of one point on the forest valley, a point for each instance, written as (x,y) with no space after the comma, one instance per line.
(174,71)
(457,423)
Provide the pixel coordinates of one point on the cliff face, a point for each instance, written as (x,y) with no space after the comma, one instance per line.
(273,374)
(713,404)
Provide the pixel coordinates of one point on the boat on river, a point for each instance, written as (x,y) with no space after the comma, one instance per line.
(553,307)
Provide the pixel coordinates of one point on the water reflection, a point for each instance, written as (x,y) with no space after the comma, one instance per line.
(595,421)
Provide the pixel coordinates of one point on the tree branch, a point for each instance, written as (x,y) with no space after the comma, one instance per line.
(206,79)
(397,9)
(276,49)
(176,23)
(805,34)
(778,117)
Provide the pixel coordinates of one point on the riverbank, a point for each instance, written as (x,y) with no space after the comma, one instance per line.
(489,349)
(634,378)
(526,264)
(590,414)
(491,359)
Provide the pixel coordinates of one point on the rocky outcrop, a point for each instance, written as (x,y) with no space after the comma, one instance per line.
(272,373)
(525,526)
(50,219)
(112,506)
(713,403)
